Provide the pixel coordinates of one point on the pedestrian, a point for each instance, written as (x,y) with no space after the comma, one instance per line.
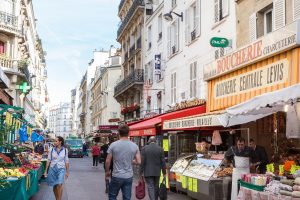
(104,149)
(261,157)
(58,164)
(153,163)
(84,150)
(39,148)
(96,154)
(124,153)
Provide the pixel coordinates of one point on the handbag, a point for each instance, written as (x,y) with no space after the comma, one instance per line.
(140,189)
(163,193)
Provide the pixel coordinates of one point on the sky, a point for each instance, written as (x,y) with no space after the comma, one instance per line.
(70,31)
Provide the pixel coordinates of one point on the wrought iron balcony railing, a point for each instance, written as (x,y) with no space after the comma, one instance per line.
(136,4)
(135,77)
(8,19)
(121,4)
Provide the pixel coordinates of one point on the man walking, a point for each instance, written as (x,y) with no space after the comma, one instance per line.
(124,154)
(152,163)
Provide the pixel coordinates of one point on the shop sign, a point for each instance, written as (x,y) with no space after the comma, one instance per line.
(108,127)
(114,120)
(188,104)
(270,75)
(144,132)
(269,45)
(10,29)
(219,42)
(157,70)
(193,122)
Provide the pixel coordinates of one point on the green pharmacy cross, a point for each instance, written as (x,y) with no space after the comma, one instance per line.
(24,87)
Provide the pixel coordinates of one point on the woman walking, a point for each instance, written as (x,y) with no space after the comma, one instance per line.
(96,154)
(58,162)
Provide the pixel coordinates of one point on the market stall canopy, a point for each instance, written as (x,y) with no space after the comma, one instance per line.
(260,106)
(147,127)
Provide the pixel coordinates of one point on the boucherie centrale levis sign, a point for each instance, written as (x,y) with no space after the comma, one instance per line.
(276,42)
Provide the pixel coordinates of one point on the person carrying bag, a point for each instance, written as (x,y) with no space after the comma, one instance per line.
(140,189)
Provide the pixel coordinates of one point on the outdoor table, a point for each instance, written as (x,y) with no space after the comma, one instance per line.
(23,188)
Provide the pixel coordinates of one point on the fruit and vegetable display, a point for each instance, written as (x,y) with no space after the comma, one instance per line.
(5,161)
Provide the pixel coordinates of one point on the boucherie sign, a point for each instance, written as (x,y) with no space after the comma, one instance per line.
(271,44)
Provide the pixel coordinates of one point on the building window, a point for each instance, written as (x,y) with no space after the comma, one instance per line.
(193,79)
(65,123)
(268,21)
(149,37)
(174,3)
(159,27)
(173,37)
(65,129)
(149,73)
(220,10)
(173,87)
(192,22)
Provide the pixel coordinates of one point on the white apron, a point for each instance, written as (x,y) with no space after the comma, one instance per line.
(242,166)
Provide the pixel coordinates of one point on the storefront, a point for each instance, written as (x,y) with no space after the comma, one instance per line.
(257,87)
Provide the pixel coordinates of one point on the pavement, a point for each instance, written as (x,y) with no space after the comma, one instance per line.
(87,183)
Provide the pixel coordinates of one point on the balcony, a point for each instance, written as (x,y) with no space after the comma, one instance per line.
(15,67)
(135,77)
(136,4)
(132,50)
(9,23)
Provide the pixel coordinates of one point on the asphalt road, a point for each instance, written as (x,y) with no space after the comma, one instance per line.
(87,182)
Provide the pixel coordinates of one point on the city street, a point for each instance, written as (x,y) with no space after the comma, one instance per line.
(86,182)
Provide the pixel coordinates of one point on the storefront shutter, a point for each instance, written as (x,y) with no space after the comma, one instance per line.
(187,27)
(198,18)
(225,8)
(252,27)
(296,9)
(279,14)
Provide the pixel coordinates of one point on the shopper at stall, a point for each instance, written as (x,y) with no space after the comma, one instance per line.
(153,163)
(58,164)
(261,157)
(39,148)
(240,157)
(124,154)
(96,154)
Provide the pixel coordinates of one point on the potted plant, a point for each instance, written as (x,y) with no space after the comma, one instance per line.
(23,63)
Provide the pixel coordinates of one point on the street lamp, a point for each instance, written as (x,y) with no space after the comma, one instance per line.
(168,16)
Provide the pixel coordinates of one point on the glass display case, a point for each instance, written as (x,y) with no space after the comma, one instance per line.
(181,163)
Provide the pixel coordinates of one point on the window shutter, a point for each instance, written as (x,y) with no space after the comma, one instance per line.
(225,8)
(191,80)
(177,34)
(146,73)
(279,13)
(252,27)
(169,41)
(198,18)
(296,9)
(187,27)
(175,87)
(217,11)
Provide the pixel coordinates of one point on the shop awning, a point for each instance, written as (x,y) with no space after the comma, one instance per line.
(148,127)
(195,121)
(261,106)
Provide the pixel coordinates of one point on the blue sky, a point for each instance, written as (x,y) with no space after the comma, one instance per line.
(70,31)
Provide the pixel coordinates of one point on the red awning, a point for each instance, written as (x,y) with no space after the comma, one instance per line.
(147,127)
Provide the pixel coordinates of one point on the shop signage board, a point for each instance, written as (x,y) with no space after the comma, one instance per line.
(274,43)
(189,104)
(219,42)
(267,76)
(143,132)
(157,70)
(192,122)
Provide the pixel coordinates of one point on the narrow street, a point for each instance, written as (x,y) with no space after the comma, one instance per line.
(86,182)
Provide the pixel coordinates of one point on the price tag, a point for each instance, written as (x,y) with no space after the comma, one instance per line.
(166,145)
(281,169)
(190,184)
(183,183)
(195,185)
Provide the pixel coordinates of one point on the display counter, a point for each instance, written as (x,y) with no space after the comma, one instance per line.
(202,177)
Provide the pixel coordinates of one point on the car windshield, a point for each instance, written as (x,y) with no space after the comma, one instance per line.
(74,142)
